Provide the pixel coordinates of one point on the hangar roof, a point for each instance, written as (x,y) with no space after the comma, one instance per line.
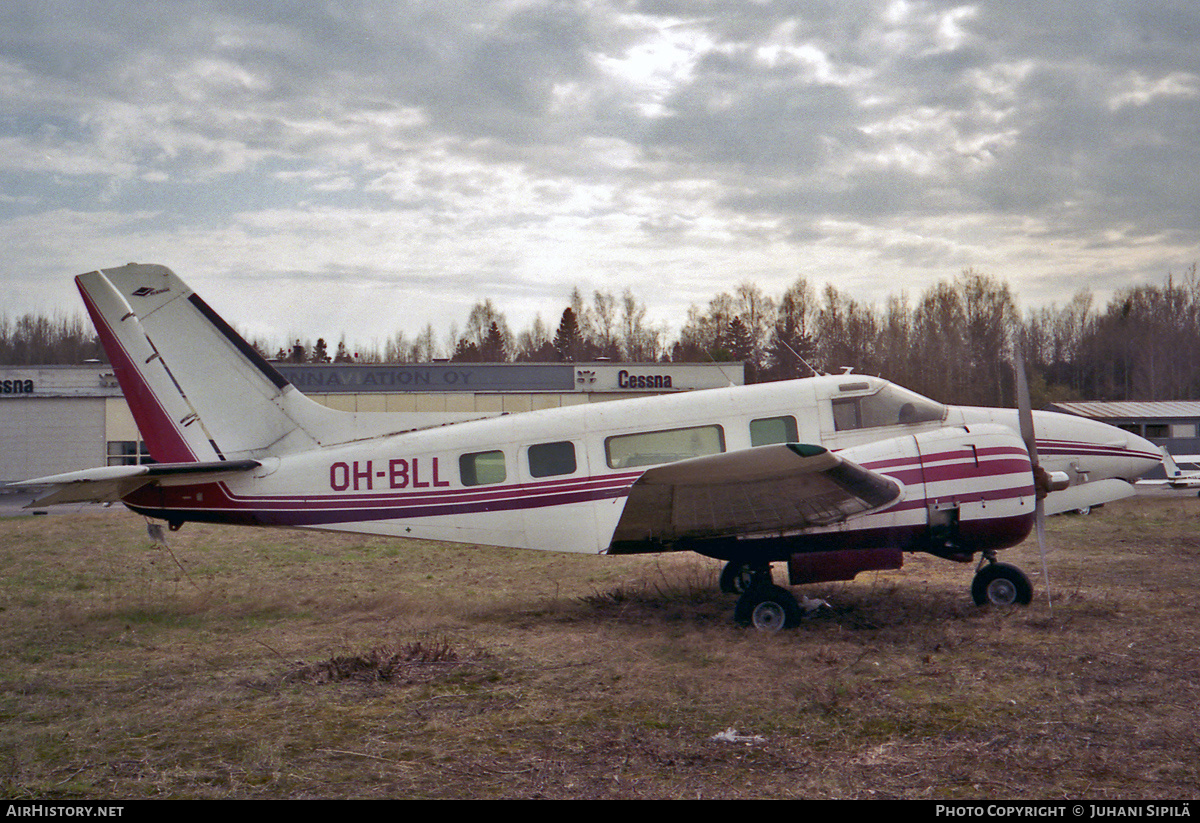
(1130,409)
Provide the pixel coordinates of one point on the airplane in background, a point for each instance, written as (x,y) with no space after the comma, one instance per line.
(832,475)
(1176,477)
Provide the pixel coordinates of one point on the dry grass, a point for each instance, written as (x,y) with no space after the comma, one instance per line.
(249,664)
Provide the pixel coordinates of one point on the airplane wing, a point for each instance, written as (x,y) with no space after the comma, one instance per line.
(1177,478)
(765,490)
(111,483)
(1186,481)
(1087,495)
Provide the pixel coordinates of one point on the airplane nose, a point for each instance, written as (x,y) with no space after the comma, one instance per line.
(1089,450)
(1142,456)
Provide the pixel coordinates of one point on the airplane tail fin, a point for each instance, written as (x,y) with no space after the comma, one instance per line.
(197,390)
(1169,465)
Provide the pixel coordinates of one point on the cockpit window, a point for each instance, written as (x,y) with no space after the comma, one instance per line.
(890,406)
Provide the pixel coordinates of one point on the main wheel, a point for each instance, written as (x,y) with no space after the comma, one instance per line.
(767,608)
(736,577)
(1001,584)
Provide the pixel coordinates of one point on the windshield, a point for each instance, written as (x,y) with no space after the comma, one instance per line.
(890,406)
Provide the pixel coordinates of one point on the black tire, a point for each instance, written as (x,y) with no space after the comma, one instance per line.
(768,608)
(735,577)
(1000,584)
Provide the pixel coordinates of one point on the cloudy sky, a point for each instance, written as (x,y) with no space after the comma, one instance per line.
(322,167)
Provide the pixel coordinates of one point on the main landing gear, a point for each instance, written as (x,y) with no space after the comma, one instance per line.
(737,577)
(762,604)
(770,608)
(1000,584)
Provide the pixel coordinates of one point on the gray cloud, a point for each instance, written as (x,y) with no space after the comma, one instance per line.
(511,151)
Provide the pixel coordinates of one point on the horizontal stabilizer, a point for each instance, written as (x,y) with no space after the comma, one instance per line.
(765,490)
(111,483)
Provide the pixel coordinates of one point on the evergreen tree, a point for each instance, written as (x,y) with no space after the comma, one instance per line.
(320,353)
(492,350)
(568,341)
(465,352)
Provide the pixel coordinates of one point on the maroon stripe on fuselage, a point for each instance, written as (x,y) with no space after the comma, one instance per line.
(219,503)
(225,509)
(481,494)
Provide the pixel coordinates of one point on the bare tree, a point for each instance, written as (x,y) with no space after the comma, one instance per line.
(480,338)
(846,332)
(793,344)
(604,325)
(639,342)
(35,339)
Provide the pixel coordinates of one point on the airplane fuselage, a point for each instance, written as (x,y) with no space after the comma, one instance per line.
(558,479)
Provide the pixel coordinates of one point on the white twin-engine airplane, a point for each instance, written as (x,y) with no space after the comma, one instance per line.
(833,475)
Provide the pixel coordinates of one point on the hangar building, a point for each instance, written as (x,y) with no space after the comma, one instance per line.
(57,419)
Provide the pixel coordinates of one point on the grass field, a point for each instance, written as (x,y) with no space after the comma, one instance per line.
(241,663)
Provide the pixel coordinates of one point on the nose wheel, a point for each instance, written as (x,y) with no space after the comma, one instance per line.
(1001,584)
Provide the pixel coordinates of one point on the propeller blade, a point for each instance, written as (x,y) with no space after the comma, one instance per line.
(1024,406)
(1025,419)
(1040,520)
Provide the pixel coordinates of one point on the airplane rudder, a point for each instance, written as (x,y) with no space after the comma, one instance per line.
(153,398)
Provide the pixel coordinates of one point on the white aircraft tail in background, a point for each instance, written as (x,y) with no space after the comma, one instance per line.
(832,475)
(1176,478)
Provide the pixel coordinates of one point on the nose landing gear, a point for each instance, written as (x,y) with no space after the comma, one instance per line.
(1000,584)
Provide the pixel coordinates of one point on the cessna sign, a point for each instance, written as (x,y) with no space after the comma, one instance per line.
(16,387)
(511,377)
(625,380)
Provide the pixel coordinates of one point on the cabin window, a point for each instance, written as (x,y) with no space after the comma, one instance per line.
(550,459)
(625,451)
(890,406)
(773,430)
(482,468)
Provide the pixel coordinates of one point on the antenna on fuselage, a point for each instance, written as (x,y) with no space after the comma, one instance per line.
(796,354)
(724,373)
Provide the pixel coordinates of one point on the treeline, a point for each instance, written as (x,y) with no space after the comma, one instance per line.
(952,342)
(37,340)
(1144,345)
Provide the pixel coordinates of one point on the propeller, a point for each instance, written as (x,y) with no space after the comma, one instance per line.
(1041,479)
